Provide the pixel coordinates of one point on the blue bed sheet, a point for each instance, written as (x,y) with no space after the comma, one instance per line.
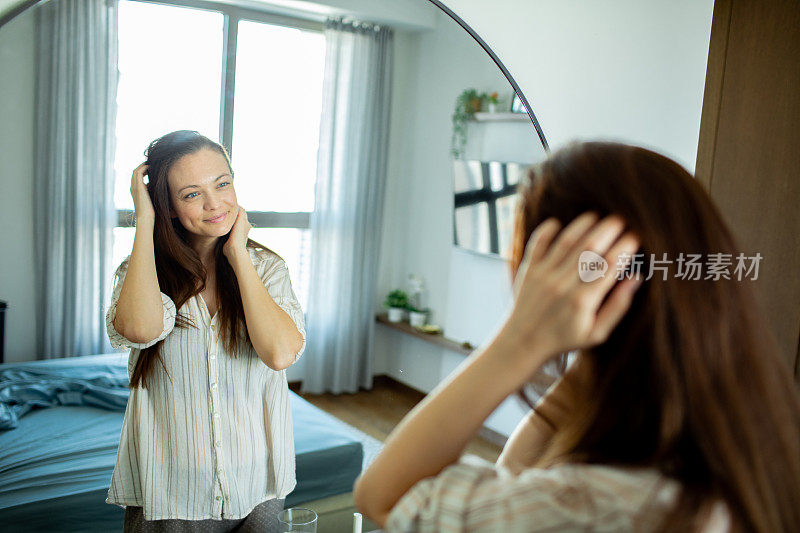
(92,382)
(55,467)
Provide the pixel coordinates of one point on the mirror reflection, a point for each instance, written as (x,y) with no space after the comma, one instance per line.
(233,273)
(485,204)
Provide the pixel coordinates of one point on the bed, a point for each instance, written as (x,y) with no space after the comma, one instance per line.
(55,466)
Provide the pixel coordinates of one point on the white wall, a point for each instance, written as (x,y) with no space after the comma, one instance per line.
(468,293)
(631,70)
(16,179)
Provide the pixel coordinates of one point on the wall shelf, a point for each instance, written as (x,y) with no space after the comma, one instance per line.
(438,339)
(540,378)
(501,117)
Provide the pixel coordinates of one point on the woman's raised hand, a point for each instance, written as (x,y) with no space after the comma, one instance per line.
(554,310)
(237,240)
(142,204)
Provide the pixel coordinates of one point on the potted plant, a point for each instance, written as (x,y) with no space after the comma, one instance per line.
(492,100)
(468,103)
(417,317)
(396,302)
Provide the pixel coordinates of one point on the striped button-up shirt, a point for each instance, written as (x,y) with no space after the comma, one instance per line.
(473,495)
(212,439)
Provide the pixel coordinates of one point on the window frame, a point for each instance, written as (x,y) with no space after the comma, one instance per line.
(232,14)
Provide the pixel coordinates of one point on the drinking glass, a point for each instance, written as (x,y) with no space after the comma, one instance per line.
(298,519)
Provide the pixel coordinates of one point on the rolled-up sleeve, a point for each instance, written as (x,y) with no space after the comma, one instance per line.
(275,275)
(116,338)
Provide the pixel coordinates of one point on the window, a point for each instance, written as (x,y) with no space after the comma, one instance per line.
(263,102)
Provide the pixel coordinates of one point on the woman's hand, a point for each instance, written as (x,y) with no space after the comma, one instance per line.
(237,239)
(553,308)
(142,204)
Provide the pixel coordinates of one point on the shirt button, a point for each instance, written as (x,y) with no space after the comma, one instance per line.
(213,356)
(216,415)
(214,386)
(218,444)
(219,498)
(220,472)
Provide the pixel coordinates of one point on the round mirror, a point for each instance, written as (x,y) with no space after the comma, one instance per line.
(376,148)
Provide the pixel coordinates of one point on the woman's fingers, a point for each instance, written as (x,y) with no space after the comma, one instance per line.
(138,176)
(569,237)
(602,235)
(142,203)
(241,216)
(541,239)
(622,291)
(598,239)
(241,221)
(140,171)
(602,238)
(613,310)
(536,248)
(626,246)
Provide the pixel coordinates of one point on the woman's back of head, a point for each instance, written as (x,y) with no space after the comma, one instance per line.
(691,380)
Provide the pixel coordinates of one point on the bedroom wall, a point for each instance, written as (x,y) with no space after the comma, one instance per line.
(468,293)
(632,70)
(16,199)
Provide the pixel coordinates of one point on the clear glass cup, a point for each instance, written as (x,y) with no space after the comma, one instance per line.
(298,519)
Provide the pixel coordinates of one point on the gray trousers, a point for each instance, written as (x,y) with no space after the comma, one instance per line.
(263,518)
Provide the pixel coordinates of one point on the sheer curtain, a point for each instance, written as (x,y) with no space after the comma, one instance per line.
(346,223)
(73,174)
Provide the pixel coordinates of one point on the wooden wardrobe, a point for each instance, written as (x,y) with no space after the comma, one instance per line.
(749,150)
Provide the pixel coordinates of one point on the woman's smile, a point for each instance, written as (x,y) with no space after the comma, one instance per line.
(218,218)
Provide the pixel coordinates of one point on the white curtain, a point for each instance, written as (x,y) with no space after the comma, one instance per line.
(346,224)
(74,174)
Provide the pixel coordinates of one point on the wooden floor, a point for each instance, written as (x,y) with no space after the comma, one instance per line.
(376,412)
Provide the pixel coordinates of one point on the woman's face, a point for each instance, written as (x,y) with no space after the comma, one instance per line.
(201,193)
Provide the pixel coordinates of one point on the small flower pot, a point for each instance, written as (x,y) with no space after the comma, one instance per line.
(418,318)
(474,105)
(492,107)
(396,314)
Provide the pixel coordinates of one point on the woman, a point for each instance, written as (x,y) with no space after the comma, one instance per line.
(212,322)
(677,414)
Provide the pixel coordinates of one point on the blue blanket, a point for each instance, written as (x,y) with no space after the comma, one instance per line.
(56,466)
(67,382)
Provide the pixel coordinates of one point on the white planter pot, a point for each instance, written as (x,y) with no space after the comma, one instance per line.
(396,314)
(492,108)
(417,319)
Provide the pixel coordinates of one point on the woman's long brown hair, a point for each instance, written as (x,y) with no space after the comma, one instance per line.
(690,381)
(181,274)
